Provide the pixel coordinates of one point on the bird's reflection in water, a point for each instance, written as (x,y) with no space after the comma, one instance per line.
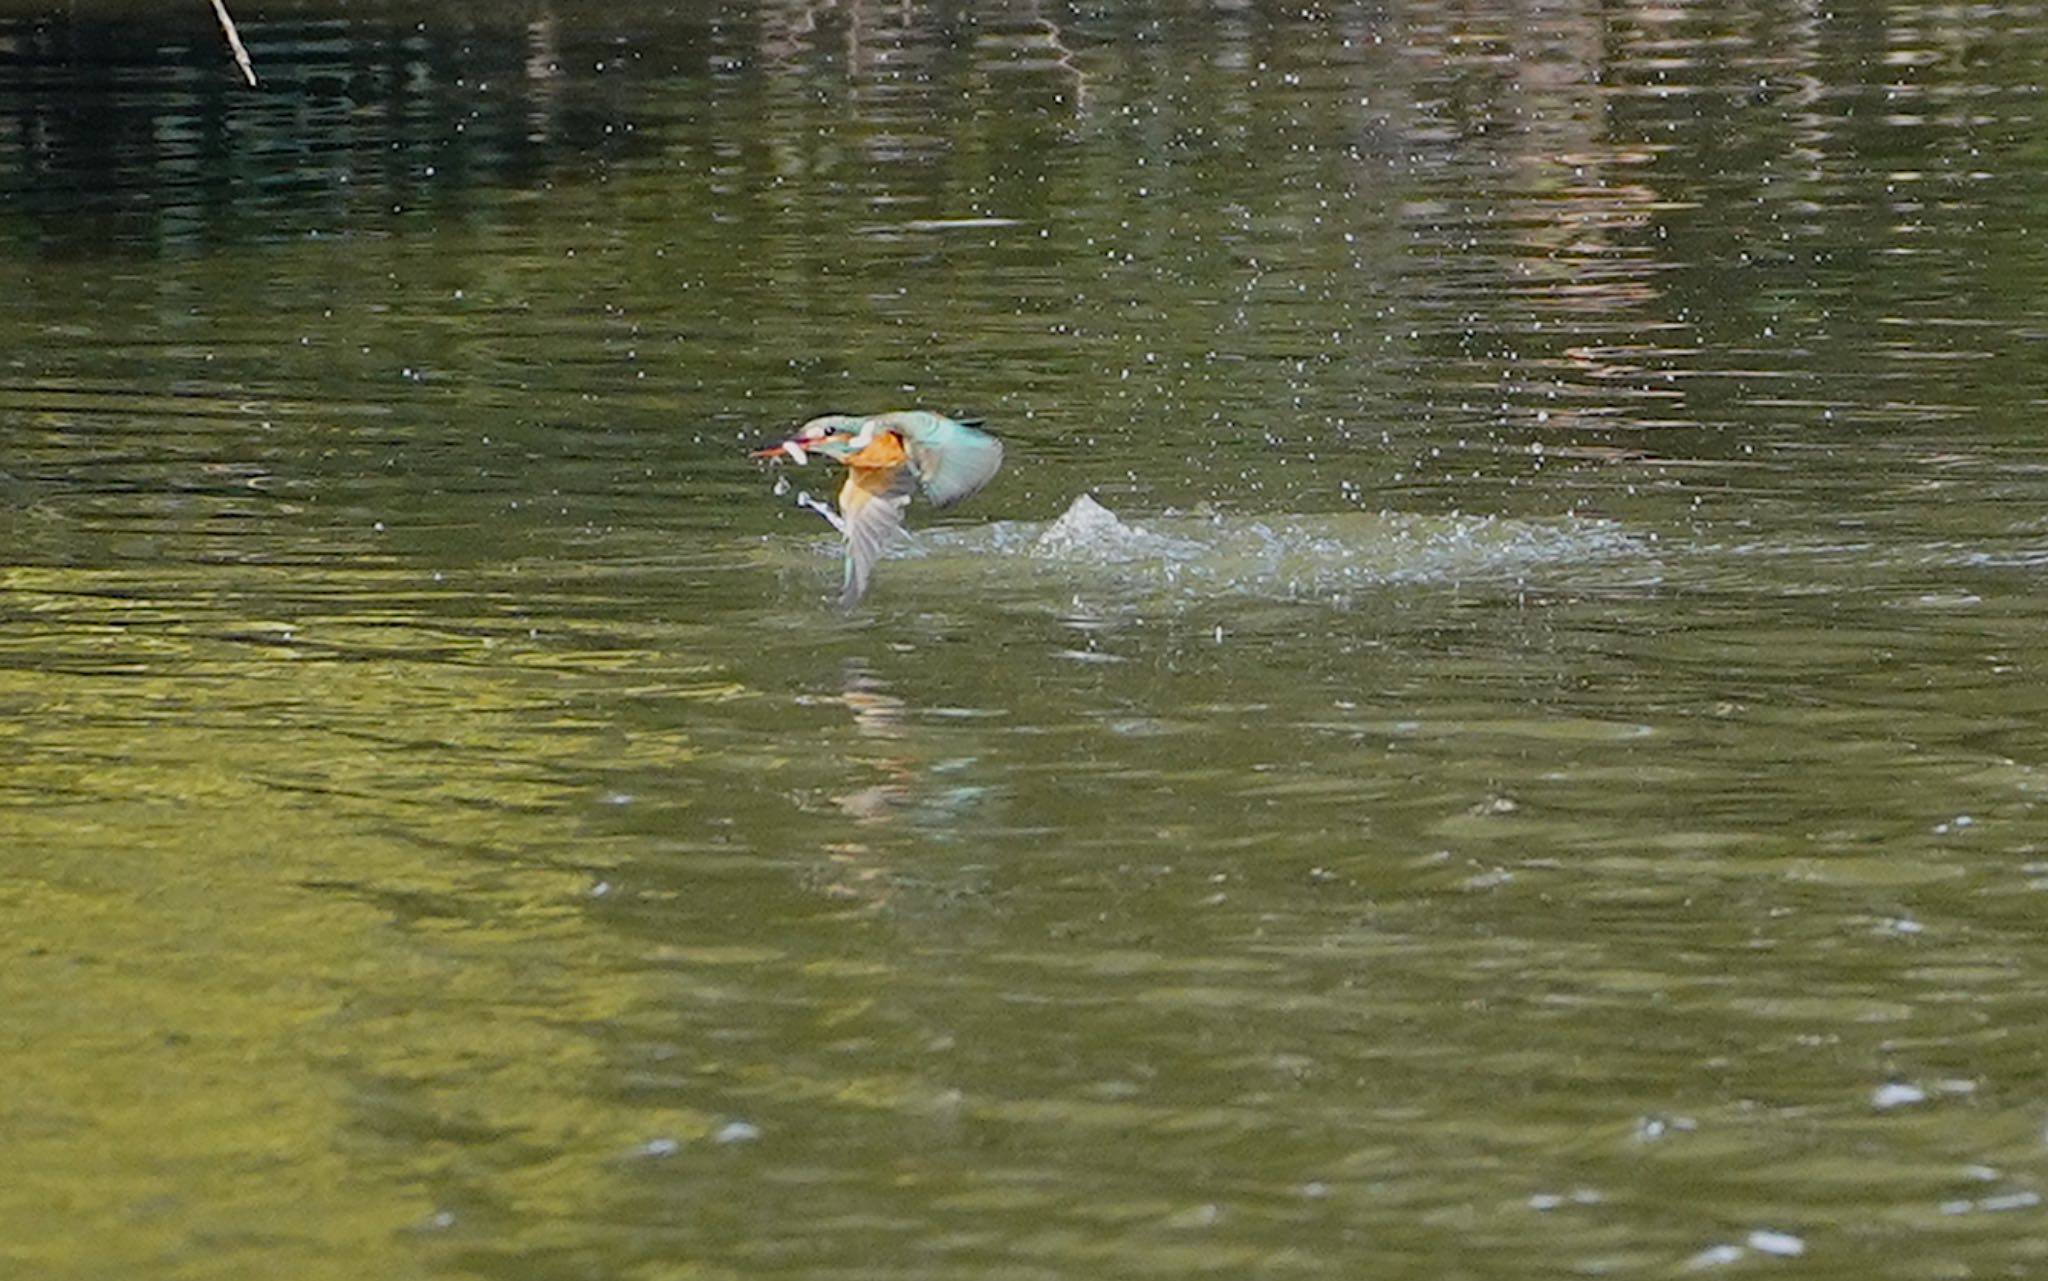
(918,788)
(878,716)
(854,871)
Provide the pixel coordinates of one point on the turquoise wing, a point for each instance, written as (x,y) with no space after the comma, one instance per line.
(950,459)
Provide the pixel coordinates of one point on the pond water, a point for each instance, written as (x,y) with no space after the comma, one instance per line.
(1491,726)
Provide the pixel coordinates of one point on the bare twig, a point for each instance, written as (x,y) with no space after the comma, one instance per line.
(227,24)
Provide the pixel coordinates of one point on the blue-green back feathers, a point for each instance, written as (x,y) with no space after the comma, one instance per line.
(950,459)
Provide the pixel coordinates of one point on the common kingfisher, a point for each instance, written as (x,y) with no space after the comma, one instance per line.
(887,456)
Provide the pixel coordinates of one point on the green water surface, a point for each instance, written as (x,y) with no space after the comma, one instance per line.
(1540,773)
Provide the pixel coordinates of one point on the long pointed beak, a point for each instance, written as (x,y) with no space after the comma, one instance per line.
(788,448)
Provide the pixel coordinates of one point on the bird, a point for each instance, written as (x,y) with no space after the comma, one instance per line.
(888,457)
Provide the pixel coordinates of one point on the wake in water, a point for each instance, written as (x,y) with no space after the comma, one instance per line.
(1090,549)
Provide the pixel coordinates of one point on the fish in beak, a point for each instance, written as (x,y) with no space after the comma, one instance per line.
(793,449)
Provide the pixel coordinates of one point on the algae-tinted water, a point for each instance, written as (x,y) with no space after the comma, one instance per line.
(1540,774)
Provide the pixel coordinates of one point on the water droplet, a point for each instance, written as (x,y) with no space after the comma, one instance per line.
(1714,1256)
(1782,1244)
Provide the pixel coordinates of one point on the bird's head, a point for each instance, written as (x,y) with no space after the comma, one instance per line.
(837,436)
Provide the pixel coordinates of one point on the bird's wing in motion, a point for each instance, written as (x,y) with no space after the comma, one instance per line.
(951,459)
(871,505)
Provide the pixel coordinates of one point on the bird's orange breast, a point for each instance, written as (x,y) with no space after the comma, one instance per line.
(871,472)
(884,453)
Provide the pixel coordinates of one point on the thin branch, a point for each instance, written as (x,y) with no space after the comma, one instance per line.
(227,24)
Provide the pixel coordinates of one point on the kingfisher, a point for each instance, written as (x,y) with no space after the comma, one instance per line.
(888,457)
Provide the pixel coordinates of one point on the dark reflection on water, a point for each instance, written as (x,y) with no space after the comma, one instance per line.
(121,134)
(1541,773)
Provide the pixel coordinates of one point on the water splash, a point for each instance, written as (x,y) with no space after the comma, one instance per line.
(1294,557)
(1171,559)
(1088,531)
